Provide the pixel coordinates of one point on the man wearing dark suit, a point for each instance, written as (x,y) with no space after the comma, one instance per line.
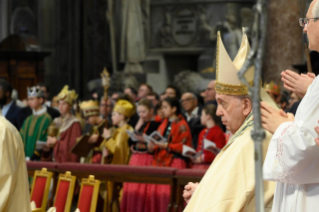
(192,115)
(9,109)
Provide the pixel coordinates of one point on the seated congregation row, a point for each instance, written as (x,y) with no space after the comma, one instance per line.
(116,142)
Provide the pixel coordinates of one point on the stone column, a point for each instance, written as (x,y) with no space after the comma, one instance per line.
(284,45)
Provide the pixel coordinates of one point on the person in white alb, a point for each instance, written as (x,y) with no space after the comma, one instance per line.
(292,159)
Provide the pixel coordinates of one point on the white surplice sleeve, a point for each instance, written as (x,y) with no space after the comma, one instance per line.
(293,156)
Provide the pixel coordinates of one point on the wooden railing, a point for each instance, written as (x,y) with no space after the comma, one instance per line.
(119,174)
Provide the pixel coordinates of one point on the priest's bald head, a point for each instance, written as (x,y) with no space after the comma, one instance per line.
(311,25)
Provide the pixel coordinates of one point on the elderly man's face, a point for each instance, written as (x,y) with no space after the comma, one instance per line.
(233,111)
(210,92)
(312,29)
(189,103)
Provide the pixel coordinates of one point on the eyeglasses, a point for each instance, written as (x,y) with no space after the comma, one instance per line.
(305,21)
(186,100)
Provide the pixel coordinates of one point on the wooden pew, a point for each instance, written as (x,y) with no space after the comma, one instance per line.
(119,174)
(182,177)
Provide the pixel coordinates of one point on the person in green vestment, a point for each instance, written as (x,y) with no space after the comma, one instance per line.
(34,128)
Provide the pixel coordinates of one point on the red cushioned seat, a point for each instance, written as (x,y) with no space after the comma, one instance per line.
(40,188)
(39,165)
(94,168)
(88,194)
(64,192)
(190,172)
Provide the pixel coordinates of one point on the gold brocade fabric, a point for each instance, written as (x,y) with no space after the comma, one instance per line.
(118,147)
(229,183)
(227,81)
(14,187)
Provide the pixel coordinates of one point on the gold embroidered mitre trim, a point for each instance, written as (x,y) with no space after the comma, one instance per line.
(227,81)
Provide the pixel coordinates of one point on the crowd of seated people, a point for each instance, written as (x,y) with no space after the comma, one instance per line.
(120,129)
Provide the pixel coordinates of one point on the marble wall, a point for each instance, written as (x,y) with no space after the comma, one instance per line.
(284,45)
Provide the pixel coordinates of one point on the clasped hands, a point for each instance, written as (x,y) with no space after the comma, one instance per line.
(272,118)
(297,83)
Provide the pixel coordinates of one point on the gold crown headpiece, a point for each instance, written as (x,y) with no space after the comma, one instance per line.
(124,107)
(67,95)
(90,108)
(272,88)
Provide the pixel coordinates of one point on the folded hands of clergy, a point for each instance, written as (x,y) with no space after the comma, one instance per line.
(297,83)
(189,189)
(272,118)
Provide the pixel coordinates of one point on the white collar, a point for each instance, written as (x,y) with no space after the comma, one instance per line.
(40,112)
(193,114)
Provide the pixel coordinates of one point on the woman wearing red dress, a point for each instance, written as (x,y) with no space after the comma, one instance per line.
(169,154)
(213,133)
(134,193)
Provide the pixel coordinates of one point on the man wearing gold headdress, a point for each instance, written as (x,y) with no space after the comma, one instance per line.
(229,183)
(116,147)
(68,128)
(91,112)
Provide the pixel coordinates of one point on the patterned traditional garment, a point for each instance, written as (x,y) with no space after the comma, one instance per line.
(34,129)
(134,194)
(214,134)
(177,134)
(69,131)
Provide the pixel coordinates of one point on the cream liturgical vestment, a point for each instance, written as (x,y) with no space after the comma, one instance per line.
(14,187)
(229,183)
(293,158)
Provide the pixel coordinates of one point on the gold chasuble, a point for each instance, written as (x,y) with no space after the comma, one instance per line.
(14,186)
(229,183)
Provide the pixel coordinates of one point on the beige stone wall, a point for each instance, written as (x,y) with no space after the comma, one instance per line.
(284,39)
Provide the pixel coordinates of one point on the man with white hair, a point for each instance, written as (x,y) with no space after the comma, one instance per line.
(293,157)
(229,183)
